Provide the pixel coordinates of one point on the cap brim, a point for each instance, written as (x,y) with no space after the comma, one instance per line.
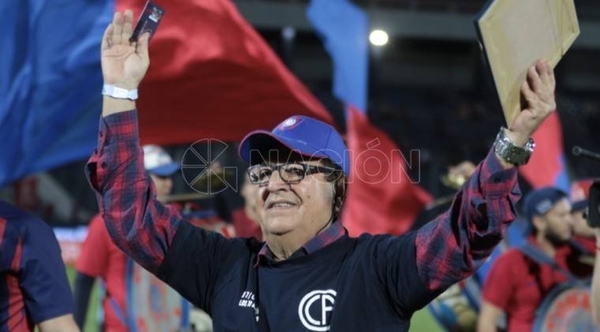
(579,206)
(165,170)
(263,141)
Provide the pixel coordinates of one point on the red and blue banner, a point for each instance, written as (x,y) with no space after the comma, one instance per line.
(208,68)
(547,166)
(50,80)
(381,197)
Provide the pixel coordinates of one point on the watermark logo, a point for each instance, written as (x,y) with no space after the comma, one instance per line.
(202,170)
(372,165)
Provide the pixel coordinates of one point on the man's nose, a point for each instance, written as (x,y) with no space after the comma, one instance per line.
(276,182)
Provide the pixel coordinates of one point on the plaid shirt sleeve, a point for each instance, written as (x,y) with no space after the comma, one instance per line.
(451,247)
(138,224)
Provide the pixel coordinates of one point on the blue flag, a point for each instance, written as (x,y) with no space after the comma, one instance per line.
(344,29)
(50,83)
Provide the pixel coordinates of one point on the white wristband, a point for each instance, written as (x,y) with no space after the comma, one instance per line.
(119,93)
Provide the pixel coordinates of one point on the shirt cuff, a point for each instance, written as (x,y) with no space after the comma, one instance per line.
(495,180)
(116,128)
(121,127)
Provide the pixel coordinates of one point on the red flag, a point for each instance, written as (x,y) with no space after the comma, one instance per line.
(212,75)
(381,197)
(547,164)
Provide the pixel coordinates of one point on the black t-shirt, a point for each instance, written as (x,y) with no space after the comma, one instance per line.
(368,283)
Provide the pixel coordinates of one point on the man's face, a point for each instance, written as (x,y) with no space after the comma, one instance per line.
(163,184)
(559,222)
(302,208)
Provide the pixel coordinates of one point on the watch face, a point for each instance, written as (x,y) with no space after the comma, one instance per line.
(517,154)
(511,153)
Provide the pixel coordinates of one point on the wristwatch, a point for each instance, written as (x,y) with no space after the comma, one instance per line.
(513,154)
(119,93)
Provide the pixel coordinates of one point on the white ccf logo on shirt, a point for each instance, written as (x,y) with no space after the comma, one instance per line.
(314,309)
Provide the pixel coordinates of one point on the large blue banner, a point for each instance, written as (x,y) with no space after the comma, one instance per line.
(50,82)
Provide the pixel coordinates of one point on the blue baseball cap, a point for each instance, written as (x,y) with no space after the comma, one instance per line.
(539,201)
(301,134)
(157,161)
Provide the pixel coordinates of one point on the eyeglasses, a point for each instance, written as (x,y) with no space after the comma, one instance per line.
(290,173)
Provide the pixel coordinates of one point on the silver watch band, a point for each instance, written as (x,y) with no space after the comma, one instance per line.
(508,151)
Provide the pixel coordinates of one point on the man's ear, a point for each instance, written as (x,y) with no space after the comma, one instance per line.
(339,192)
(539,223)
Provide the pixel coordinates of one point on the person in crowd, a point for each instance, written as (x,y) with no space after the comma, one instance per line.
(100,257)
(34,290)
(522,276)
(583,233)
(595,296)
(245,220)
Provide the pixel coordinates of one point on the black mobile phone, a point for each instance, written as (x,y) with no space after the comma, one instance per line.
(148,20)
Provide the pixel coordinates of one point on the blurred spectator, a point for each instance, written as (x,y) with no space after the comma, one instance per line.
(595,296)
(101,258)
(245,220)
(35,290)
(518,281)
(580,254)
(579,196)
